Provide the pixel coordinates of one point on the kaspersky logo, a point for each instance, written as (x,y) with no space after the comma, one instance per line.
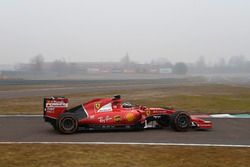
(56,104)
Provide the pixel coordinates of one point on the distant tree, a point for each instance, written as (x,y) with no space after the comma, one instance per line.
(236,61)
(37,63)
(180,68)
(59,66)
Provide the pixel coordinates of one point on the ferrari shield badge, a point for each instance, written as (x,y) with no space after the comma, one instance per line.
(97,106)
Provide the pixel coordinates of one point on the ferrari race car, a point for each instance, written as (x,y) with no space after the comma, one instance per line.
(112,113)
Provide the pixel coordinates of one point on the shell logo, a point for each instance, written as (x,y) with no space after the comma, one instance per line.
(130,117)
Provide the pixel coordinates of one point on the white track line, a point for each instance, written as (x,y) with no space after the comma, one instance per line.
(131,143)
(222,116)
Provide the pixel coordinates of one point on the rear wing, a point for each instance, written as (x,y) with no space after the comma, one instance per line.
(54,106)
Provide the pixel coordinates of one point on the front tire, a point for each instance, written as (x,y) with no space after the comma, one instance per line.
(67,123)
(180,121)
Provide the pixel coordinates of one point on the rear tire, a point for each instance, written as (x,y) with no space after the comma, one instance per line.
(180,121)
(67,123)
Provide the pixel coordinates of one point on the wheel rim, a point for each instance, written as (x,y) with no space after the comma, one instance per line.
(68,124)
(183,121)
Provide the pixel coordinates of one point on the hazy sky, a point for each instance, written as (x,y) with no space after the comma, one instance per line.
(104,30)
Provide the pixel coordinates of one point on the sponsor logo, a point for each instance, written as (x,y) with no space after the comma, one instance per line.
(56,104)
(117,118)
(130,117)
(50,109)
(159,112)
(97,106)
(148,112)
(104,119)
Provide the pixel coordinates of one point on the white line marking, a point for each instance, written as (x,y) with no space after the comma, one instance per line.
(131,143)
(222,116)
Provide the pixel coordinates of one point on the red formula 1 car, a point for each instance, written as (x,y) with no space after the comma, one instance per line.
(111,113)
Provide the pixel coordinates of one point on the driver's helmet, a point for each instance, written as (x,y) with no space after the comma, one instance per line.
(126,105)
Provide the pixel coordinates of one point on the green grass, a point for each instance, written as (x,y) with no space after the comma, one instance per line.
(202,104)
(195,99)
(37,155)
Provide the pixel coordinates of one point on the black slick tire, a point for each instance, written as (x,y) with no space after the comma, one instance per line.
(180,121)
(67,123)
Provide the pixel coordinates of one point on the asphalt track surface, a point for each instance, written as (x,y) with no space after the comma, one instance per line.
(226,131)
